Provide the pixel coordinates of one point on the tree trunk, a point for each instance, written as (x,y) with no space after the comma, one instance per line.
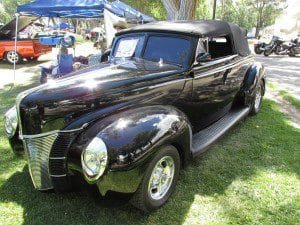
(180,9)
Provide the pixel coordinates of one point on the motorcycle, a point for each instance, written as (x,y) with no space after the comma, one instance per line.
(280,47)
(273,46)
(259,47)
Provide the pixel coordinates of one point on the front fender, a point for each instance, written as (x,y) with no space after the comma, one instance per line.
(133,137)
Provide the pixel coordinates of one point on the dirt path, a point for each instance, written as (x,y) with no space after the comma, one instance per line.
(285,106)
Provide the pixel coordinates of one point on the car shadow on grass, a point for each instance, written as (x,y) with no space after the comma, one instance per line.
(262,143)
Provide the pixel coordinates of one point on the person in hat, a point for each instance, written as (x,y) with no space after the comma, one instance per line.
(120,25)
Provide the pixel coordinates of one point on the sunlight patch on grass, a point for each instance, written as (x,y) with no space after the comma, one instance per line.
(290,98)
(11,213)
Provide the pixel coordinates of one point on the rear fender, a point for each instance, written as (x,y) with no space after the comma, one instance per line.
(255,73)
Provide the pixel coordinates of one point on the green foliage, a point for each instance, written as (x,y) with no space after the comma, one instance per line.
(9,8)
(204,10)
(237,12)
(153,8)
(250,13)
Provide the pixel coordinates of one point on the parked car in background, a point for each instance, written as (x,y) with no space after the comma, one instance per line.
(27,48)
(169,90)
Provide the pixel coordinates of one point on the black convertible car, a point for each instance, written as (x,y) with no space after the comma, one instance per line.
(168,91)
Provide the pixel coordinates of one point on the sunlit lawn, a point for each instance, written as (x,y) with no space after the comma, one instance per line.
(249,177)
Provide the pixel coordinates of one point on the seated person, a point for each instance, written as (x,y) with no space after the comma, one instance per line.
(54,68)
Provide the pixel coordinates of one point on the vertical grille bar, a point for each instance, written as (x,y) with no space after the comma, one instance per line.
(38,152)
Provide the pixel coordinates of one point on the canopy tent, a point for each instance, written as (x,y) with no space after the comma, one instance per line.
(80,9)
(76,9)
(64,9)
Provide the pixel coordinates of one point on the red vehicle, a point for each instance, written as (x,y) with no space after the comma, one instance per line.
(26,48)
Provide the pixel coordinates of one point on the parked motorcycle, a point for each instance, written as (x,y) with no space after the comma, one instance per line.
(259,47)
(274,46)
(280,47)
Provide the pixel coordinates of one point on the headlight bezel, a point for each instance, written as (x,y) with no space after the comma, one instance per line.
(97,150)
(11,121)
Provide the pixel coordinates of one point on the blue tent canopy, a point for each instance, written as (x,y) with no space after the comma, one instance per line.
(64,8)
(80,9)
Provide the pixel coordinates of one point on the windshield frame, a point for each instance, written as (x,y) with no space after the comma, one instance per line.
(146,35)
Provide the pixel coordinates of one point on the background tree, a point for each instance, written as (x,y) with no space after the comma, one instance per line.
(266,12)
(8,9)
(153,8)
(180,9)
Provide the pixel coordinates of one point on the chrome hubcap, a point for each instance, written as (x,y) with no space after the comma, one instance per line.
(161,178)
(257,98)
(12,56)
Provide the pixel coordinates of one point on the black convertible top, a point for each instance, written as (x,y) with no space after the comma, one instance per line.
(200,28)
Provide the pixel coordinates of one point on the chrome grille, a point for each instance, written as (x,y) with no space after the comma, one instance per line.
(38,153)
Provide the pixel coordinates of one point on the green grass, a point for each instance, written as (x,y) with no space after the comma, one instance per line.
(290,98)
(272,85)
(251,176)
(285,95)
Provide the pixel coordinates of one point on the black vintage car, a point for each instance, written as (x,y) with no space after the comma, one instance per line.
(168,91)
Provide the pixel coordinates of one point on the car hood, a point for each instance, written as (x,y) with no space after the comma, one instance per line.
(7,32)
(61,102)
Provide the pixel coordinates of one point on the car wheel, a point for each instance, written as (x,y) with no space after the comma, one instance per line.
(12,57)
(159,180)
(257,99)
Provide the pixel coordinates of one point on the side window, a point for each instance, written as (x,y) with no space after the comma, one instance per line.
(202,46)
(220,47)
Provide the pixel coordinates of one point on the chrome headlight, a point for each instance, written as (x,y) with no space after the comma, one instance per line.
(94,159)
(11,121)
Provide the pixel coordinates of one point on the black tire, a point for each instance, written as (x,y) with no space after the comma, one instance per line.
(142,199)
(257,51)
(9,59)
(267,53)
(292,53)
(257,99)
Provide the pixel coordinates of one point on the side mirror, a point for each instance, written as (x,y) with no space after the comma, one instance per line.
(203,57)
(105,56)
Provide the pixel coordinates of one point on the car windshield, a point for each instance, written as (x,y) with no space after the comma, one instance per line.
(170,49)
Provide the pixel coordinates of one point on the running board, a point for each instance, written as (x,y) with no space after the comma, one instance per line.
(204,138)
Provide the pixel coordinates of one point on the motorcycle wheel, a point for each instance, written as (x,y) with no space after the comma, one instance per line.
(267,53)
(292,53)
(277,50)
(257,51)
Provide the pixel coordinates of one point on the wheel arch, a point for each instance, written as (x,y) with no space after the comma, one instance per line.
(254,74)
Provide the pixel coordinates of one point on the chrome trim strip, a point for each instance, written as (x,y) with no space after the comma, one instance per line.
(22,137)
(221,68)
(63,175)
(57,158)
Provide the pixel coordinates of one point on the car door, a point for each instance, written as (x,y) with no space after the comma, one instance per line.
(209,99)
